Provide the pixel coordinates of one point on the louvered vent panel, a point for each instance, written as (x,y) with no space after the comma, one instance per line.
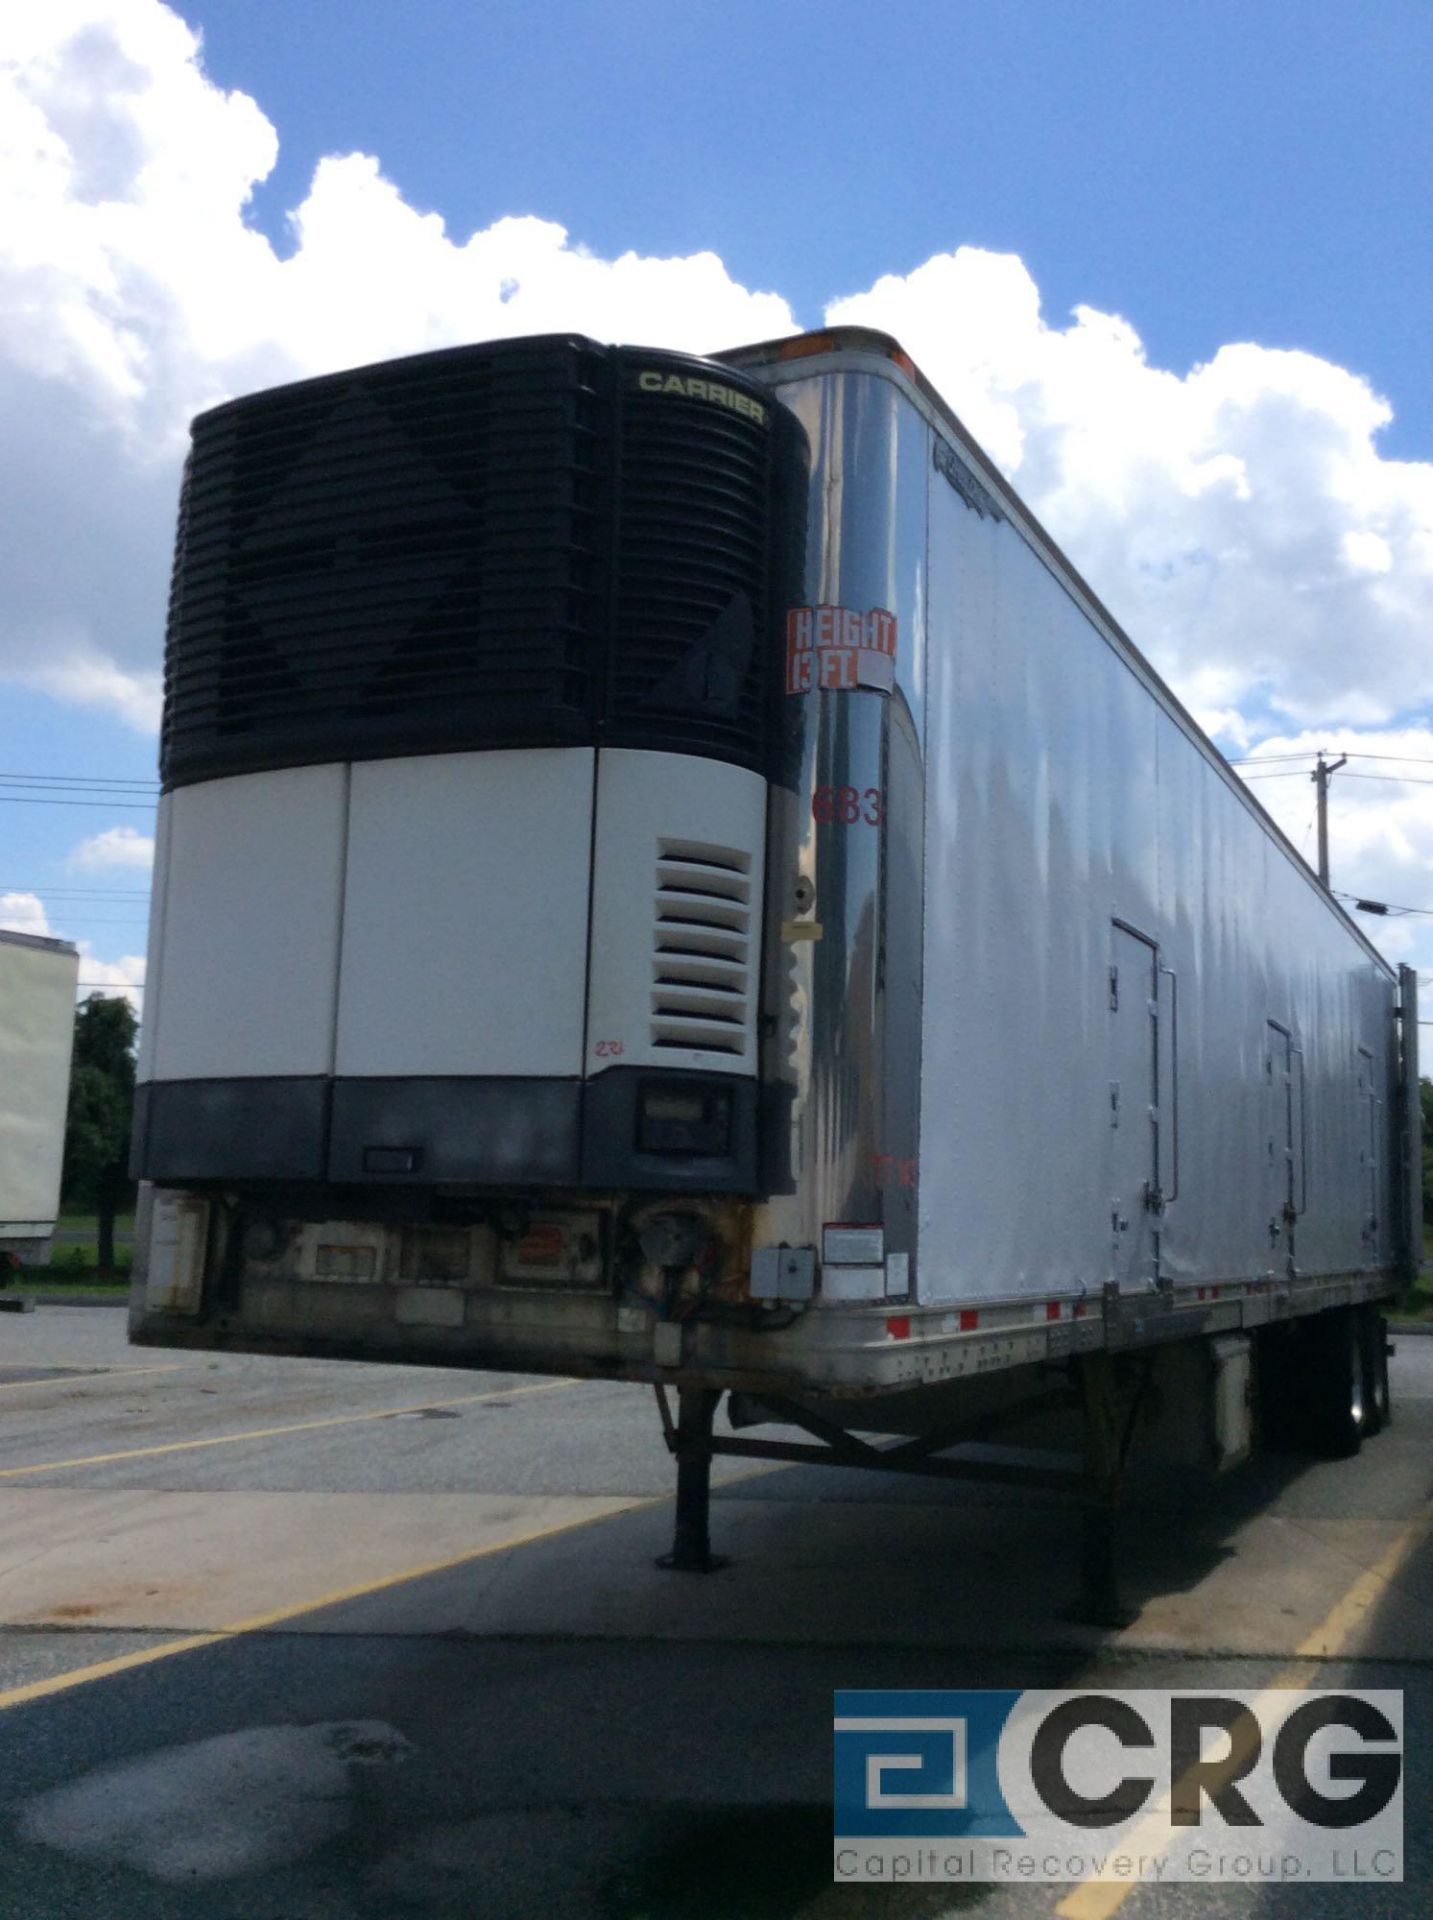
(702,950)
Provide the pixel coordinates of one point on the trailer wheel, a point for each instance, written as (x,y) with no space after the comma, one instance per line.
(1378,1401)
(1277,1400)
(1335,1397)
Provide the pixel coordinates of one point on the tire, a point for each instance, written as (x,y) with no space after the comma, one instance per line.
(1377,1398)
(1335,1399)
(1277,1396)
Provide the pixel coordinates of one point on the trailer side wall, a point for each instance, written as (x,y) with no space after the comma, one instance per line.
(1063,800)
(37,1023)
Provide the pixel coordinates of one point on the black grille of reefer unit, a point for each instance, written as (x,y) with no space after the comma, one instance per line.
(691,663)
(537,542)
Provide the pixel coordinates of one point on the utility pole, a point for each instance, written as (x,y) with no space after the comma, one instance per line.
(1321,776)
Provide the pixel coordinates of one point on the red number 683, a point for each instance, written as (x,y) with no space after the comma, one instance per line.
(848,806)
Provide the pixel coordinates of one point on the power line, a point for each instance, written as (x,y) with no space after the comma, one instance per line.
(77,790)
(145,787)
(79,779)
(1385,906)
(77,786)
(1402,759)
(1414,759)
(1397,779)
(1297,773)
(100,800)
(1308,753)
(1267,759)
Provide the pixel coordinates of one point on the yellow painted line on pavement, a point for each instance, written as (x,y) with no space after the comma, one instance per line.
(1332,1633)
(1099,1899)
(80,1376)
(102,1669)
(270,1433)
(280,1616)
(260,1622)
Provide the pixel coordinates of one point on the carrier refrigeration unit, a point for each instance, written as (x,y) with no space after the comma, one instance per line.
(666,872)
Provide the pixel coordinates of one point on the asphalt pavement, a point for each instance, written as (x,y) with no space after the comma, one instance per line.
(288,1640)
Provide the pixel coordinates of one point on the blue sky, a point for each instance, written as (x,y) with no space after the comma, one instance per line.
(1236,198)
(1215,172)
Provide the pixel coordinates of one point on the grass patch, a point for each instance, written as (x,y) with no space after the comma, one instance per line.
(88,1223)
(73,1262)
(51,1284)
(37,1280)
(72,1271)
(78,1263)
(1417,1301)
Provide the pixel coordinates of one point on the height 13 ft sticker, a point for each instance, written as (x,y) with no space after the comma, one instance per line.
(839,649)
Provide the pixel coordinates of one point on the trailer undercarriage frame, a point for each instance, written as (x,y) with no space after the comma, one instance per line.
(1097,1479)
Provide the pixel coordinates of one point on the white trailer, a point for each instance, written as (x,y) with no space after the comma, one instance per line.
(37,1030)
(667,872)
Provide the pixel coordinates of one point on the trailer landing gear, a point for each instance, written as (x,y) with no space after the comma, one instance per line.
(1109,1428)
(1111,1407)
(691,1441)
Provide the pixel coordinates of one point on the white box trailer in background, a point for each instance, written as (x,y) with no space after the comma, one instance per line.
(666,872)
(37,1031)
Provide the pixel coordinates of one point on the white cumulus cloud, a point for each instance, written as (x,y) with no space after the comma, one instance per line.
(121,979)
(1380,811)
(133,294)
(115,847)
(1238,517)
(23,913)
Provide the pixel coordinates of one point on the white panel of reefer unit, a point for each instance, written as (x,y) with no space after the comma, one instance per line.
(37,1024)
(465,920)
(676,913)
(249,947)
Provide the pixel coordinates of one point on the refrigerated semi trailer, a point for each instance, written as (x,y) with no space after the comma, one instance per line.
(666,872)
(37,1028)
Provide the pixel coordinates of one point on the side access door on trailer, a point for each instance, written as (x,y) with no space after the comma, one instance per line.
(1284,1148)
(1142,1096)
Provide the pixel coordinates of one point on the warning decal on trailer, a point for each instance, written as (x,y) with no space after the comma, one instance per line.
(837,649)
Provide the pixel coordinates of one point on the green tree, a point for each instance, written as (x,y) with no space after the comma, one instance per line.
(1425,1092)
(96,1175)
